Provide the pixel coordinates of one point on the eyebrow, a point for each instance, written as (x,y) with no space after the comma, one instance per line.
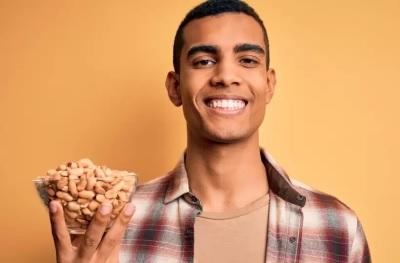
(249,47)
(210,49)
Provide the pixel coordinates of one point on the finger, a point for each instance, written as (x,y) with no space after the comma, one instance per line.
(62,240)
(77,240)
(116,232)
(114,257)
(95,232)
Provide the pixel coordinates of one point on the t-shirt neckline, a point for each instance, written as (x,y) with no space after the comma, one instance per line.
(253,206)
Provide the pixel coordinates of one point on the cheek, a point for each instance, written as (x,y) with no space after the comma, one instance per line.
(189,95)
(191,85)
(196,79)
(258,84)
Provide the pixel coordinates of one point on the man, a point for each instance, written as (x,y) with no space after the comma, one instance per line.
(227,200)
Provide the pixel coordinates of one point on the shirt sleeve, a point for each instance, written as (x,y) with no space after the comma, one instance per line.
(359,252)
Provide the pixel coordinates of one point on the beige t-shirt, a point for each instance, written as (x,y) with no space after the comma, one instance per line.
(232,236)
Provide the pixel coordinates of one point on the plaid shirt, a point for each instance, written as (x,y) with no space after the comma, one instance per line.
(304,225)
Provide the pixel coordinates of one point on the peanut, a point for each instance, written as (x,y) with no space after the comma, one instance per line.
(91,182)
(73,165)
(82,186)
(99,190)
(100,198)
(62,167)
(62,182)
(57,177)
(73,177)
(65,196)
(93,205)
(82,221)
(106,179)
(126,188)
(71,214)
(111,194)
(108,172)
(118,208)
(83,201)
(72,189)
(118,186)
(116,181)
(87,211)
(50,192)
(99,173)
(86,163)
(86,194)
(73,206)
(76,171)
(89,172)
(82,183)
(122,196)
(107,186)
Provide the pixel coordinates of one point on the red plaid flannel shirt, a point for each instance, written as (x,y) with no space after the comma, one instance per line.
(304,225)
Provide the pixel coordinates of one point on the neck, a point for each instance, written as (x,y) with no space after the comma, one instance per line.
(226,176)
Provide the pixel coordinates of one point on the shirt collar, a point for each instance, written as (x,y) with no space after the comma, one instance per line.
(278,181)
(179,183)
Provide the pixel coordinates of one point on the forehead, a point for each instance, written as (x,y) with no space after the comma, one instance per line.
(224,30)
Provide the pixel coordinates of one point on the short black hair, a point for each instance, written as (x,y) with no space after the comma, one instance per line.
(212,8)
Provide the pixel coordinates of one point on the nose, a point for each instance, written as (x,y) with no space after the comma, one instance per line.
(225,75)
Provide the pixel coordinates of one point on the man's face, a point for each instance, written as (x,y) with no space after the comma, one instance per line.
(223,84)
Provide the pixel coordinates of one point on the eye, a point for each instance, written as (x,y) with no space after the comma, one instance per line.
(249,62)
(203,63)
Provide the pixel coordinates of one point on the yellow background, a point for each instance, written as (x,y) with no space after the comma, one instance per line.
(86,79)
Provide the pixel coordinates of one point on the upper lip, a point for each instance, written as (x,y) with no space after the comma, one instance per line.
(225,97)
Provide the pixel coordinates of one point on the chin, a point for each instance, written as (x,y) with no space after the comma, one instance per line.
(227,137)
(222,133)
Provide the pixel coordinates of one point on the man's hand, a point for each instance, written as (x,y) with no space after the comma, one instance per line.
(91,247)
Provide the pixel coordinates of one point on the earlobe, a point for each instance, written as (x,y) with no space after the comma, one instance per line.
(173,88)
(271,82)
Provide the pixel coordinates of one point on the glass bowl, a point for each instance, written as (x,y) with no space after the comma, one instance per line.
(80,208)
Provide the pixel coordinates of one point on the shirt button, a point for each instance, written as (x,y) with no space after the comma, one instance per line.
(194,199)
(292,239)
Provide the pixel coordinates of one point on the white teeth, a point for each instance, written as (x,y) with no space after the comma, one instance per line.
(228,104)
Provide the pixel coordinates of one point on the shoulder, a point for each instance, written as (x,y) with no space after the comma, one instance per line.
(330,226)
(151,193)
(154,184)
(318,198)
(325,210)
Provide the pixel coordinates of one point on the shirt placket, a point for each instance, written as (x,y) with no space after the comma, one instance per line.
(188,234)
(284,231)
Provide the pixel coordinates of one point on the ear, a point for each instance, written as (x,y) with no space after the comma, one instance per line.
(173,88)
(271,82)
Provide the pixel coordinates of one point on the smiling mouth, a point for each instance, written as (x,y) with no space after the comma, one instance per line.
(226,104)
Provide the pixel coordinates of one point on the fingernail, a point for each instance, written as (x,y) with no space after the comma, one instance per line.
(129,208)
(53,207)
(105,209)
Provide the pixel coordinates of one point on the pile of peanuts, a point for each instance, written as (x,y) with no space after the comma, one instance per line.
(82,186)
